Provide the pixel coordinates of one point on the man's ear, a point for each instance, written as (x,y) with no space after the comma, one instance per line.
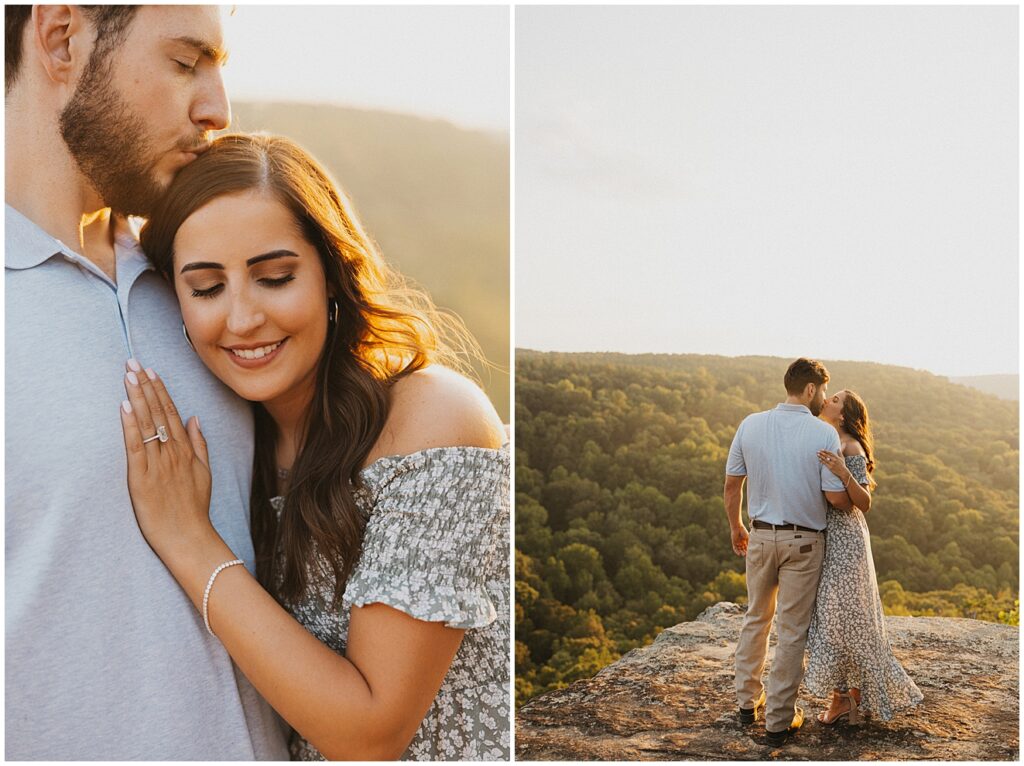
(60,40)
(810,390)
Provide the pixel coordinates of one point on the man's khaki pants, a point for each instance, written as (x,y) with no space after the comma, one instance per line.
(783,567)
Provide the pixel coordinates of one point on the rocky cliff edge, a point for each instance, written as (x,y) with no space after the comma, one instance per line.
(674,700)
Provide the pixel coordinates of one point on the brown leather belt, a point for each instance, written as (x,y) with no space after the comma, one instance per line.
(792,527)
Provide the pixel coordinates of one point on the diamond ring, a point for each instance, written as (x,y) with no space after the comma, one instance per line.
(161,434)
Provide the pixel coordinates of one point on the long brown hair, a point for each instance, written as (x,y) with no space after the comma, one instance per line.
(384,329)
(856,423)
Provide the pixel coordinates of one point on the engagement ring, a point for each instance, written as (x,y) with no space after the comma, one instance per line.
(161,434)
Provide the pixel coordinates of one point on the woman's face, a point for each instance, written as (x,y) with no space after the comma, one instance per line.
(253,296)
(832,410)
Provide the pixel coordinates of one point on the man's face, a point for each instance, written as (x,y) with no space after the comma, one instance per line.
(141,111)
(818,400)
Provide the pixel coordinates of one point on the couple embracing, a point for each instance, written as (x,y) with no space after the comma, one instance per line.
(808,464)
(243,481)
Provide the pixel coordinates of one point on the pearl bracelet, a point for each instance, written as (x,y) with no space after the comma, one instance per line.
(209,586)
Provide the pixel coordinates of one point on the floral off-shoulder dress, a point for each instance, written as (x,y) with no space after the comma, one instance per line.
(436,546)
(847,643)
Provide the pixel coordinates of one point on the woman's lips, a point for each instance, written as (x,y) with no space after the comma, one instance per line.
(262,361)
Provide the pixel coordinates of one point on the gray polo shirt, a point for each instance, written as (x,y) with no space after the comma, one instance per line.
(777,451)
(106,658)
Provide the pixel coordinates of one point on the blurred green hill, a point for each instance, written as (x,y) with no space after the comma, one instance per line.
(1003,386)
(620,526)
(435,197)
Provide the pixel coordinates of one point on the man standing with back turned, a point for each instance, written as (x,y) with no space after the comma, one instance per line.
(777,452)
(105,657)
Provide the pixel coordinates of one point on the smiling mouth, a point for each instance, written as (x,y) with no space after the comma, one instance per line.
(257,357)
(256,353)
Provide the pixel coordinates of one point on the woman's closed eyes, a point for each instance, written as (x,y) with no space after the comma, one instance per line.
(271,282)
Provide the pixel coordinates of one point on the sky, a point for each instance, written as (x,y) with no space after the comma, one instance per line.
(447,62)
(834,182)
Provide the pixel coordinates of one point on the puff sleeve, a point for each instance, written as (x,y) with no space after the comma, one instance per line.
(433,533)
(858,465)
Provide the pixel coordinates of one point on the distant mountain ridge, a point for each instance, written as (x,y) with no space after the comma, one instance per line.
(1004,386)
(434,196)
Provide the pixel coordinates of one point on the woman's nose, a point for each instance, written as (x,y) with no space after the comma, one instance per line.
(245,317)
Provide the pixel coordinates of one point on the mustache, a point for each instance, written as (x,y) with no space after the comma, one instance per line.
(199,144)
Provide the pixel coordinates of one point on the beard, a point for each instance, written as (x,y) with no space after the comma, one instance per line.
(816,407)
(109,142)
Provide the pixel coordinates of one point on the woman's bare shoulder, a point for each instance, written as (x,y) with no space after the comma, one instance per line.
(852,447)
(438,407)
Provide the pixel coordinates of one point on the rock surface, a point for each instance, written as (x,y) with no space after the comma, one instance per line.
(674,700)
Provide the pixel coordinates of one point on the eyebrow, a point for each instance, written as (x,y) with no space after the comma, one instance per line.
(216,54)
(273,254)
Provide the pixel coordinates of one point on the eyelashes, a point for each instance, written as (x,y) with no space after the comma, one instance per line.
(267,281)
(210,292)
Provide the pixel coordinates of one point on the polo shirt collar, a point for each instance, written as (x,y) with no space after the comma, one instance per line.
(793,407)
(126,245)
(26,245)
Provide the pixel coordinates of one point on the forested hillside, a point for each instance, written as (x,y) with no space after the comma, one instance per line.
(1003,386)
(620,527)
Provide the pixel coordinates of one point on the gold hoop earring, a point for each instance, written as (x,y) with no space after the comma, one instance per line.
(188,340)
(332,311)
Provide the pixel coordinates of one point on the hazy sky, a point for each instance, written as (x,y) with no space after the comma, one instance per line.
(838,182)
(449,62)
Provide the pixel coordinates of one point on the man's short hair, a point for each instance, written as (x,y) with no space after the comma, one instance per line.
(111,23)
(802,372)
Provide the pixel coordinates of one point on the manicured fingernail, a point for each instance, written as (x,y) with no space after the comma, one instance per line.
(197,423)
(132,364)
(126,406)
(150,373)
(132,378)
